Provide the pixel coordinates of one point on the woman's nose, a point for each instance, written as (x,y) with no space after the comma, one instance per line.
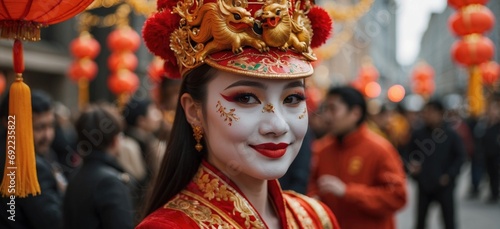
(274,124)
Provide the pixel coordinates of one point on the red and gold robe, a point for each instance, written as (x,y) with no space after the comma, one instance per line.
(211,200)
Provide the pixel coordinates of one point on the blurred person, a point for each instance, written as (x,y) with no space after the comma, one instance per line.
(435,155)
(356,172)
(143,118)
(43,210)
(487,136)
(166,100)
(378,118)
(98,195)
(64,143)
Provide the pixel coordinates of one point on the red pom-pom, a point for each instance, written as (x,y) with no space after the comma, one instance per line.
(321,26)
(165,4)
(171,69)
(156,33)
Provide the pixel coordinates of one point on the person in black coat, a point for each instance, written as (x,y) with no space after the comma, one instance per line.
(435,155)
(487,137)
(43,210)
(98,195)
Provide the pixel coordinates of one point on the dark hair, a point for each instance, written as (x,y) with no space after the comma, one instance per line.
(40,102)
(352,98)
(181,160)
(436,105)
(134,109)
(97,126)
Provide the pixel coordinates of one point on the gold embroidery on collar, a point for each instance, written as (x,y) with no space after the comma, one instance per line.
(315,205)
(202,215)
(302,215)
(220,191)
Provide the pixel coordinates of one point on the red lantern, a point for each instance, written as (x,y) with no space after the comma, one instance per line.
(85,46)
(2,83)
(422,72)
(372,90)
(123,82)
(368,73)
(83,68)
(124,39)
(471,19)
(472,50)
(423,79)
(490,72)
(396,93)
(155,70)
(23,19)
(457,4)
(120,60)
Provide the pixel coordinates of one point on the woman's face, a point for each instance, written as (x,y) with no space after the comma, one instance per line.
(254,127)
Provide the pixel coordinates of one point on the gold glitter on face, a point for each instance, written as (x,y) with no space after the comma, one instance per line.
(228,116)
(301,116)
(268,108)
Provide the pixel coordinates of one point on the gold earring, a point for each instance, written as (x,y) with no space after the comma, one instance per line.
(197,134)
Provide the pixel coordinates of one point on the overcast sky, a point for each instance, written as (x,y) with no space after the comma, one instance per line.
(413,17)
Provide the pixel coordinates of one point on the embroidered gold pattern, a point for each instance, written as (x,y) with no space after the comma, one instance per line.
(301,116)
(228,116)
(268,108)
(302,215)
(206,28)
(202,215)
(220,191)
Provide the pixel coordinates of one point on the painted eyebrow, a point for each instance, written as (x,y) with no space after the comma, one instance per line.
(298,83)
(247,83)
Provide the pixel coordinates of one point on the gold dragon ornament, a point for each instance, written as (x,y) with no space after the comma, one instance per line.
(207,28)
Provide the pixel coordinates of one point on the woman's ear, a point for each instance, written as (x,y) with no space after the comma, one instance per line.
(192,109)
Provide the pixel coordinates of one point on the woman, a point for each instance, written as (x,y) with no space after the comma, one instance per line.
(240,121)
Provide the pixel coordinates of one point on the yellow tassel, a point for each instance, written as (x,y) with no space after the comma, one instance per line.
(475,92)
(83,93)
(20,178)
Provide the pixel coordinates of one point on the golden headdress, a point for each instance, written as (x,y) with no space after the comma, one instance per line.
(268,39)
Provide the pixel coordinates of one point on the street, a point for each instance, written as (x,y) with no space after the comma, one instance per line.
(471,214)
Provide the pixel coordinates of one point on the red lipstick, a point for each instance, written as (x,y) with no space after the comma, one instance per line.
(271,150)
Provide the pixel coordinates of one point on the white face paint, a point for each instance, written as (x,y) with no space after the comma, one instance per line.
(254,127)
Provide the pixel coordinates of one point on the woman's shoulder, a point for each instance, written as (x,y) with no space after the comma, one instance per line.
(167,218)
(319,213)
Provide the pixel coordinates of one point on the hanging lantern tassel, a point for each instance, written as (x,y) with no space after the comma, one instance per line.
(20,178)
(475,92)
(83,92)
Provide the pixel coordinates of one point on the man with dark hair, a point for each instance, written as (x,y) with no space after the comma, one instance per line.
(434,156)
(43,210)
(98,195)
(357,173)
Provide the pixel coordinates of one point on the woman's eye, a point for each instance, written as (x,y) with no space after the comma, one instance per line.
(294,99)
(247,99)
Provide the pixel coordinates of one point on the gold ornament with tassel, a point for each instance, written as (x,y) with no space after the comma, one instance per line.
(20,178)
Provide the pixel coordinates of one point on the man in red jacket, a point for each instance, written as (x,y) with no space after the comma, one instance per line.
(357,173)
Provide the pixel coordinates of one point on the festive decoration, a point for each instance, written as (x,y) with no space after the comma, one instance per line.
(458,4)
(423,80)
(83,70)
(471,19)
(22,20)
(366,75)
(490,72)
(348,13)
(473,50)
(396,93)
(372,90)
(155,70)
(322,26)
